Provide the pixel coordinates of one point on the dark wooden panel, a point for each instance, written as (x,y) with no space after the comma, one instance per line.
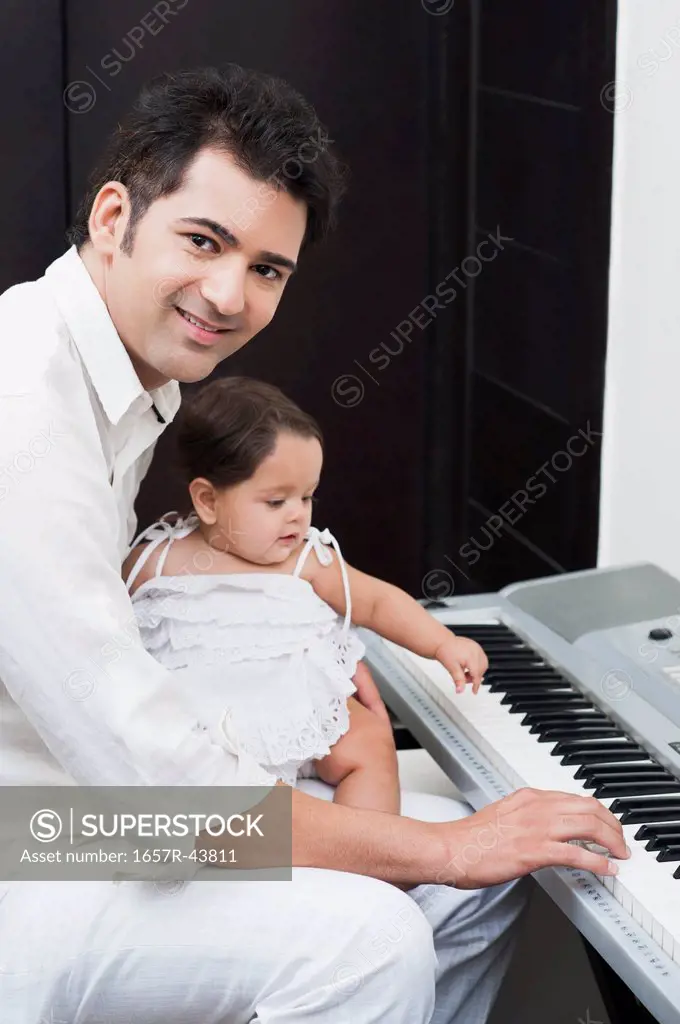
(529,330)
(536,473)
(32,126)
(349,59)
(538,323)
(492,562)
(535,48)
(529,161)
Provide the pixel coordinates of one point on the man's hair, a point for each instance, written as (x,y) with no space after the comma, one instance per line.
(268,128)
(229,426)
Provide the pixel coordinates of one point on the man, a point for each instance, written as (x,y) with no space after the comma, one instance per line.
(183,248)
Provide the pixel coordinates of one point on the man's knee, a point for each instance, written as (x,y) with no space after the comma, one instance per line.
(391,945)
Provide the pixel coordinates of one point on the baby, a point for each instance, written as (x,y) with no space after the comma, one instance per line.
(251,606)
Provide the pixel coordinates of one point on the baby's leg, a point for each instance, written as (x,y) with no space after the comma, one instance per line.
(362,765)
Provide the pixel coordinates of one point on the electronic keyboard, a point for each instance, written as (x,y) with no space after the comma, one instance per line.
(582,695)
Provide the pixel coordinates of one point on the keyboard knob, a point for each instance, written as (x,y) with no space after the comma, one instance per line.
(660,633)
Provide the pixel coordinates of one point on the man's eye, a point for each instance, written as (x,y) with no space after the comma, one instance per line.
(198,241)
(267,272)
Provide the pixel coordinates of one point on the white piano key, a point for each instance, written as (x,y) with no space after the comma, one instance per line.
(643,886)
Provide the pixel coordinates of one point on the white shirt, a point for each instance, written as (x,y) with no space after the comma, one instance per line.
(81,701)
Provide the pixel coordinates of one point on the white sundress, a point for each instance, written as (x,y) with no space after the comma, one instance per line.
(259,656)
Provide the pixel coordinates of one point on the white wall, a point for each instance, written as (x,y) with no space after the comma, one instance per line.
(640,496)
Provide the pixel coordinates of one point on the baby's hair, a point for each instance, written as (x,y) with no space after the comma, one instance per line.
(229,426)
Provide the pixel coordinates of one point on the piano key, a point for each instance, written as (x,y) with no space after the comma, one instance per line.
(520,672)
(615,746)
(538,718)
(587,769)
(660,841)
(530,685)
(540,728)
(597,775)
(488,629)
(639,809)
(649,803)
(566,714)
(601,757)
(544,703)
(621,788)
(648,831)
(669,853)
(502,643)
(599,751)
(565,732)
(512,656)
(562,697)
(637,771)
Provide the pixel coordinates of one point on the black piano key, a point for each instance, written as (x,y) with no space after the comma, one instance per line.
(621,788)
(669,853)
(608,746)
(595,755)
(649,831)
(534,693)
(566,715)
(507,637)
(500,645)
(511,681)
(658,842)
(642,771)
(524,704)
(641,766)
(519,672)
(541,728)
(548,700)
(568,732)
(637,816)
(529,685)
(501,659)
(639,809)
(649,803)
(601,757)
(511,656)
(594,777)
(489,631)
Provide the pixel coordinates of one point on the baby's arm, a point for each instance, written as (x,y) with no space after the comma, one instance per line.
(362,765)
(396,616)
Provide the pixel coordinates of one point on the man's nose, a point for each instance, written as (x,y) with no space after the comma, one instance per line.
(226,290)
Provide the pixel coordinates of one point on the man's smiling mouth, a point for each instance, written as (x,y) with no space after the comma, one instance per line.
(197,322)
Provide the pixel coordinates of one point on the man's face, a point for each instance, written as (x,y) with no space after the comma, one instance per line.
(180,266)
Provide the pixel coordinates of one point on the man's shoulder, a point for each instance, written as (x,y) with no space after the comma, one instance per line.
(32,335)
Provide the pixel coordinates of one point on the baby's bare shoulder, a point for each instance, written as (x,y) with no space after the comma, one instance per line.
(145,572)
(178,561)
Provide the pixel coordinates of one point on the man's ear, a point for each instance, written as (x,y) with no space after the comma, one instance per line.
(109,217)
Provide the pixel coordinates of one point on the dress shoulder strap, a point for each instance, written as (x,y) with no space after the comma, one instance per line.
(320,540)
(162,531)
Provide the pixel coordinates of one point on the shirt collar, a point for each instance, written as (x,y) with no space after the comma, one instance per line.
(103,354)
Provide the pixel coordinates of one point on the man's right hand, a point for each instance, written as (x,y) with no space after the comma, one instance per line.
(528,830)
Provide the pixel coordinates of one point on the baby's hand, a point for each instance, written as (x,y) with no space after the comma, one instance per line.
(465,660)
